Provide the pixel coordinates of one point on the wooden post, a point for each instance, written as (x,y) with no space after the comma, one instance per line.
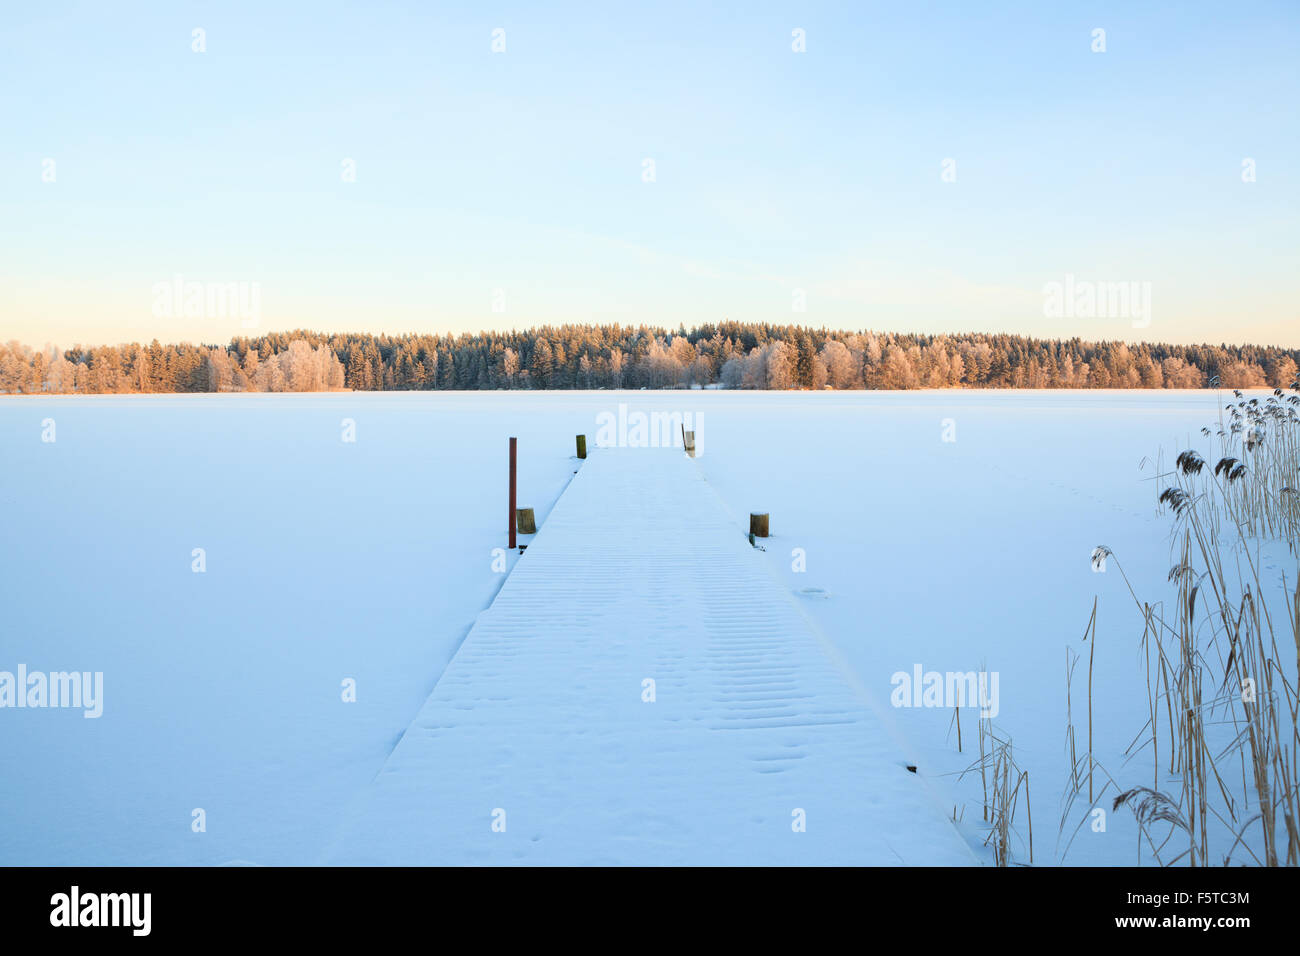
(758,524)
(688,439)
(514,457)
(525,520)
(582,446)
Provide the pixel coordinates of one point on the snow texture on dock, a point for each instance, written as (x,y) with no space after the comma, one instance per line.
(540,722)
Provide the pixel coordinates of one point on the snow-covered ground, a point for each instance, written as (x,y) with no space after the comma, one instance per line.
(946,530)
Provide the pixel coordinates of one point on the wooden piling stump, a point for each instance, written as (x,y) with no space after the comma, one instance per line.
(582,446)
(525,521)
(510,515)
(758,524)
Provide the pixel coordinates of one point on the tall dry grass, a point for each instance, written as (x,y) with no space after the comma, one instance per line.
(1221,676)
(1004,785)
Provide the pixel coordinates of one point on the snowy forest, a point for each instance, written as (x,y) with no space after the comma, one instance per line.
(728,355)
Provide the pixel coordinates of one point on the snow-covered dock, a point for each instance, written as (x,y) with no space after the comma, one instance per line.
(644,691)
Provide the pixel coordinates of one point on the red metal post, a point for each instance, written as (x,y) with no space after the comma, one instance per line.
(514,457)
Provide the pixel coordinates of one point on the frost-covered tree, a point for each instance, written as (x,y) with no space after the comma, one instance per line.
(841,369)
(779,365)
(733,372)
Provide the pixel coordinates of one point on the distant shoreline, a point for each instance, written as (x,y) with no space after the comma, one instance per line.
(729,355)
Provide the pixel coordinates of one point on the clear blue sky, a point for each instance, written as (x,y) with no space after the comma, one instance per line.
(775,171)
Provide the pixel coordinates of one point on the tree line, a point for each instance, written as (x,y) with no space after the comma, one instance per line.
(728,355)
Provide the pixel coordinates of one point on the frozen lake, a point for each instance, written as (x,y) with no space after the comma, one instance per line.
(946,530)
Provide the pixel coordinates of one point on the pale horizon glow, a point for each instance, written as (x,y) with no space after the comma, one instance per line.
(505,190)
